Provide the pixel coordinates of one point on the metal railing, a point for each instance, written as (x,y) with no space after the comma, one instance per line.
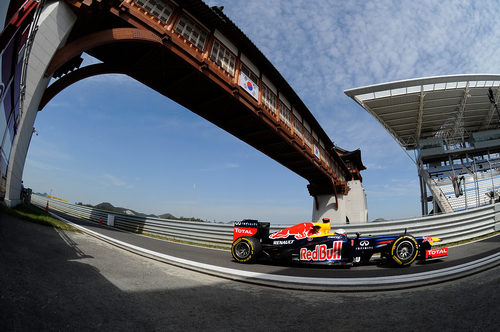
(451,227)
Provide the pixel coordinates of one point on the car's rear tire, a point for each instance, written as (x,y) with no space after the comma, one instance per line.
(404,250)
(246,249)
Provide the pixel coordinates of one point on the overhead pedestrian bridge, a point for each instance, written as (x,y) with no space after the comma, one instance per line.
(195,55)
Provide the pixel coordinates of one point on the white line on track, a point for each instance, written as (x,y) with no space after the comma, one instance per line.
(312,281)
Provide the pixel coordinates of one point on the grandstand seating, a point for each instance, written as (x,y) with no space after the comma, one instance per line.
(475,192)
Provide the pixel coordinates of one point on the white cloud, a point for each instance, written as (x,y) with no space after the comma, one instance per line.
(323,48)
(232,165)
(44,150)
(218,167)
(115,181)
(41,165)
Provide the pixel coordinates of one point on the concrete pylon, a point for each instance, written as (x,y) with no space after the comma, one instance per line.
(54,25)
(344,209)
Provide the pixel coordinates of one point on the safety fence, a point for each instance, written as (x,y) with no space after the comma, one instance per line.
(452,227)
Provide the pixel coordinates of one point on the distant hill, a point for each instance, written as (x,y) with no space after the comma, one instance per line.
(109,207)
(167,216)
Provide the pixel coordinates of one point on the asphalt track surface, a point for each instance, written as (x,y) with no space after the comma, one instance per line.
(52,280)
(222,258)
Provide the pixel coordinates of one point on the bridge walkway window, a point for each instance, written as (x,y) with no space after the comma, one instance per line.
(269,98)
(223,57)
(225,54)
(298,129)
(308,138)
(162,10)
(192,32)
(285,115)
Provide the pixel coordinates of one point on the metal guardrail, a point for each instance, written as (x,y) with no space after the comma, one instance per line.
(452,227)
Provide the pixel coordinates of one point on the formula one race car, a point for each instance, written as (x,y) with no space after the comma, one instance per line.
(315,243)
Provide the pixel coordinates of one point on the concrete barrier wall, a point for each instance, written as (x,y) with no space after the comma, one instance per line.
(450,227)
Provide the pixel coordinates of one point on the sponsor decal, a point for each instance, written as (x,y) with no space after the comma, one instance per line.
(300,231)
(363,248)
(435,253)
(247,223)
(283,242)
(430,239)
(322,253)
(242,231)
(245,231)
(364,245)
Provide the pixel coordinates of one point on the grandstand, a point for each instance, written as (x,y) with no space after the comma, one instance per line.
(478,183)
(452,124)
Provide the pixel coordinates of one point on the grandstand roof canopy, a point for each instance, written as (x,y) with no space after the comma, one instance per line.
(451,107)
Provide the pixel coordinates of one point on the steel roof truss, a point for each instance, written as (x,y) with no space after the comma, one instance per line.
(420,115)
(491,111)
(458,124)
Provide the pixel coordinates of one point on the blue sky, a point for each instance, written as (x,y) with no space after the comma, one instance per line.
(109,138)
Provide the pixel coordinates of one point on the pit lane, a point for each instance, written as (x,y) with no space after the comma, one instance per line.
(462,261)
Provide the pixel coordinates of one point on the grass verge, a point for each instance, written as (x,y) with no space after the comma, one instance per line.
(457,243)
(36,215)
(198,244)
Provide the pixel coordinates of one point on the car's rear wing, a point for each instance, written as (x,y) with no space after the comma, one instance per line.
(251,228)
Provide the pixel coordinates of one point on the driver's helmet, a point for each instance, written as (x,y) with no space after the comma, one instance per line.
(341,231)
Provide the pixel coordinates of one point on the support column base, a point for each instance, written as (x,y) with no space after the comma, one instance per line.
(325,206)
(12,202)
(350,208)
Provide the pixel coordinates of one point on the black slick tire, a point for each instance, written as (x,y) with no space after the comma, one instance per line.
(404,250)
(246,249)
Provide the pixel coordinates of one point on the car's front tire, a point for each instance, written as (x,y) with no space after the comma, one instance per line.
(246,249)
(404,250)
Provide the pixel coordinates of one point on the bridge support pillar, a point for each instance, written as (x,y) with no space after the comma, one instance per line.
(344,209)
(54,25)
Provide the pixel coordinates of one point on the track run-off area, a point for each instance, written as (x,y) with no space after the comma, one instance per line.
(57,280)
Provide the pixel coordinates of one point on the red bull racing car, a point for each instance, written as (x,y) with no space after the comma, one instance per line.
(315,243)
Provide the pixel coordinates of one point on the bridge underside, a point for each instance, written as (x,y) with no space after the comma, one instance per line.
(166,62)
(193,89)
(192,84)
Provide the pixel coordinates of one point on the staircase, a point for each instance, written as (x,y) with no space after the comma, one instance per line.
(438,195)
